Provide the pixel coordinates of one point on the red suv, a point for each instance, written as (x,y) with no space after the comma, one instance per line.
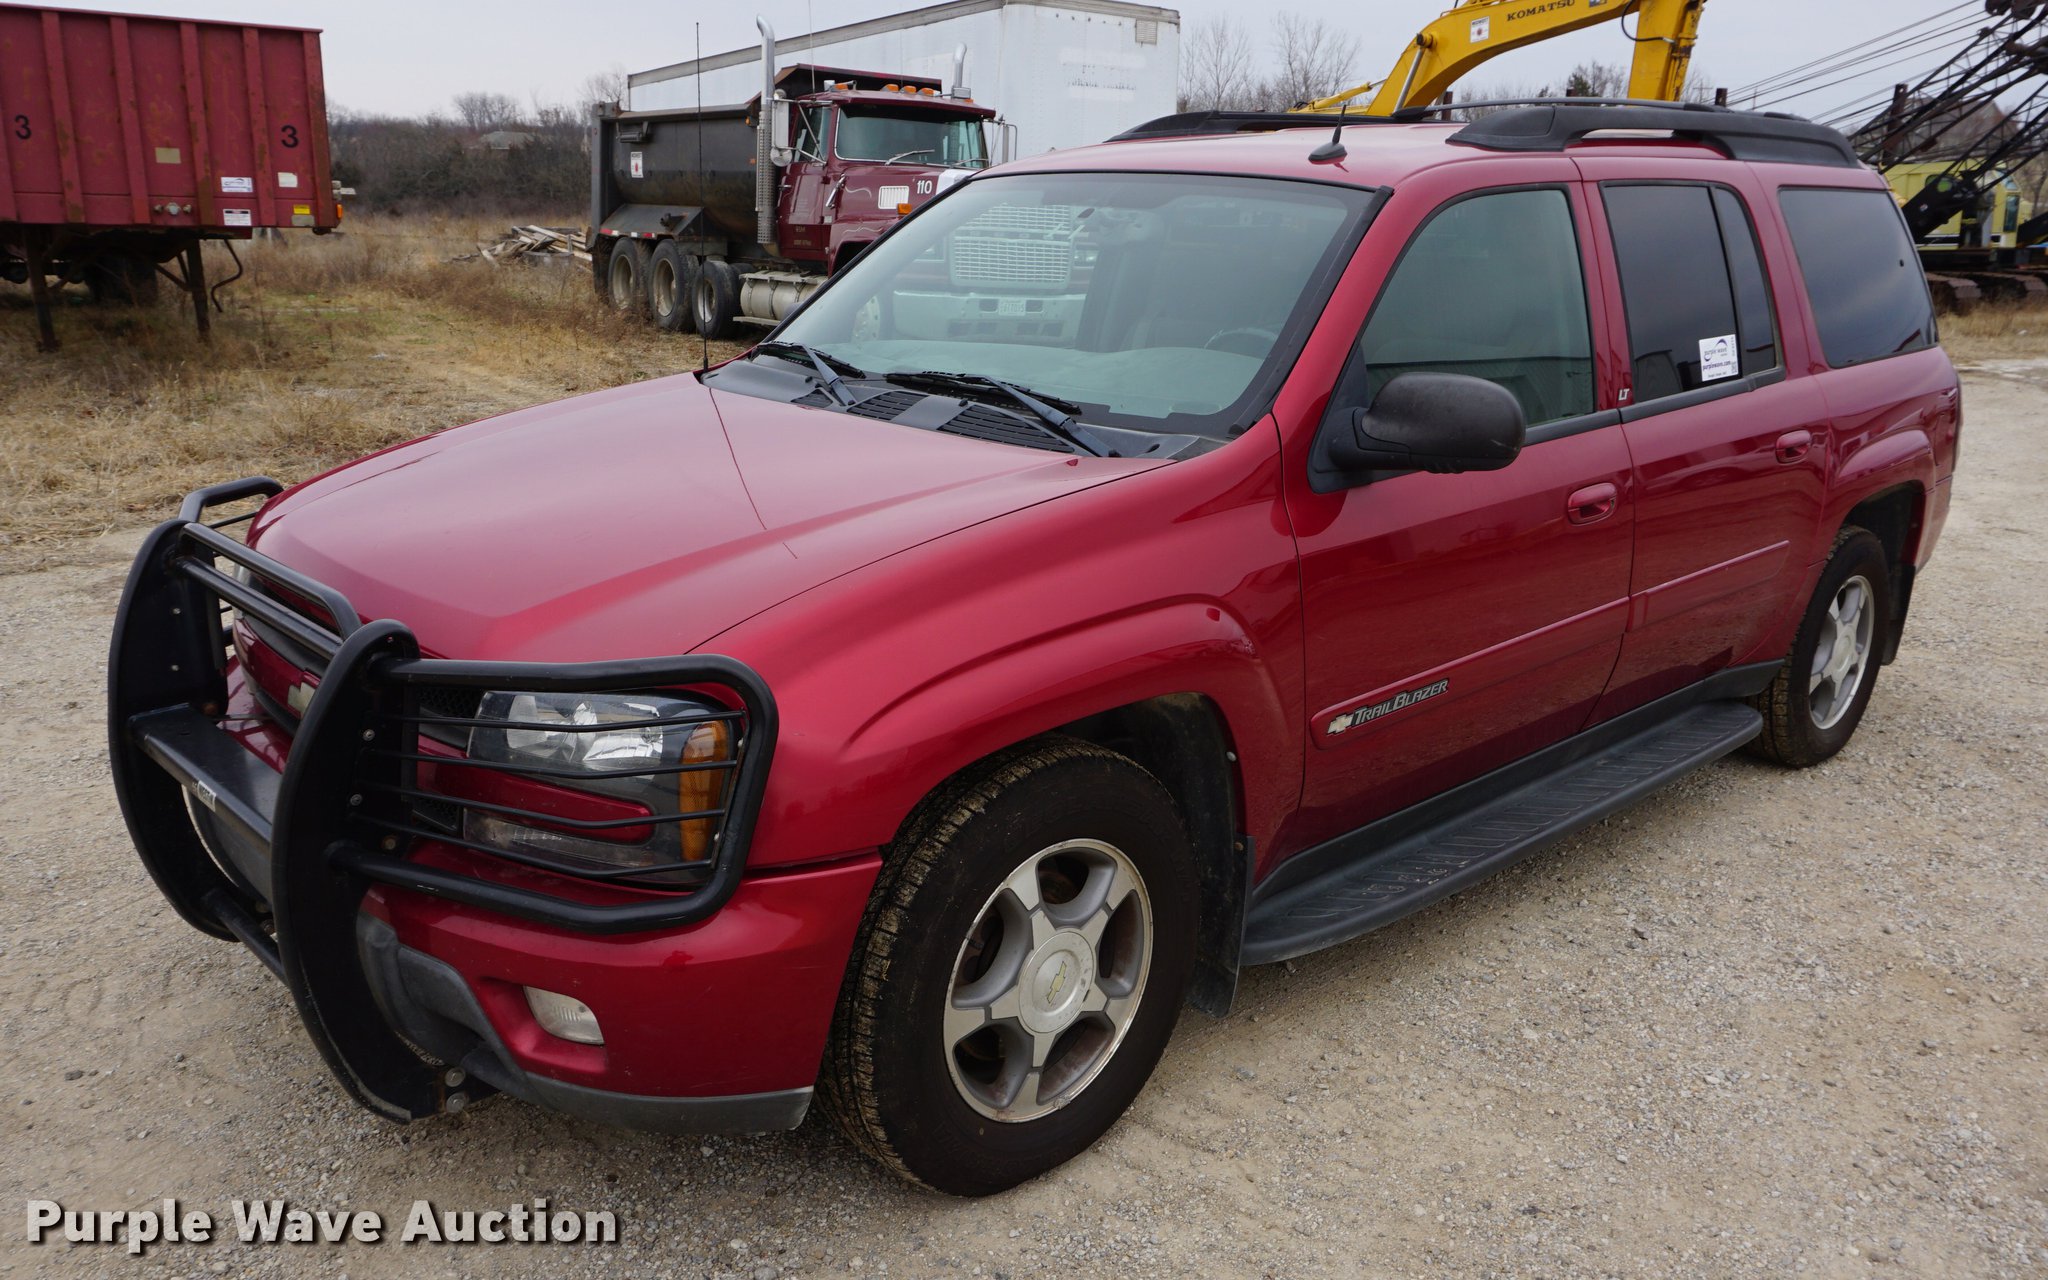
(1147,561)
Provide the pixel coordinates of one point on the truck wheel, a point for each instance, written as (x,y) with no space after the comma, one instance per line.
(715,302)
(671,276)
(122,281)
(1020,968)
(626,277)
(601,267)
(1813,707)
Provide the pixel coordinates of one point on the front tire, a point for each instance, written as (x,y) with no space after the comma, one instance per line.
(1020,969)
(1812,708)
(715,301)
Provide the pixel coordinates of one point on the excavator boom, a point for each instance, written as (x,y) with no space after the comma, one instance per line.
(1474,31)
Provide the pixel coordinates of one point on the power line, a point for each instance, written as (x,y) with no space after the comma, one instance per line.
(1914,55)
(1820,65)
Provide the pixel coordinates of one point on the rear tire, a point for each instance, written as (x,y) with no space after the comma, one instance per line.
(1812,708)
(671,279)
(1020,969)
(715,302)
(626,277)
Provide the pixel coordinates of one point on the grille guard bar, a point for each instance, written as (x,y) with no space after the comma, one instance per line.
(167,687)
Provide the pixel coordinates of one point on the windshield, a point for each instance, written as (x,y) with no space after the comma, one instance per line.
(935,137)
(1147,300)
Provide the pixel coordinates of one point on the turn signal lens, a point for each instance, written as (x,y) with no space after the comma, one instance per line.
(699,789)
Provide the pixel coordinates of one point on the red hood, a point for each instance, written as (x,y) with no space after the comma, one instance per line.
(636,523)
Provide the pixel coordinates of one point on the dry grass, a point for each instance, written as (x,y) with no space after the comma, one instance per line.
(2000,331)
(330,347)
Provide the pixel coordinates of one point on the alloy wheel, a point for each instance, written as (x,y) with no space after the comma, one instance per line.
(1047,980)
(1841,656)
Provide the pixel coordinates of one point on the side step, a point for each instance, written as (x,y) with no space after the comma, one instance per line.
(1376,887)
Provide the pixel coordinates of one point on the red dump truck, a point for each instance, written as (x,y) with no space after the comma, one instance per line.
(127,141)
(710,217)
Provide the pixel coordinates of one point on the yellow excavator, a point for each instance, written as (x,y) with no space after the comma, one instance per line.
(1471,32)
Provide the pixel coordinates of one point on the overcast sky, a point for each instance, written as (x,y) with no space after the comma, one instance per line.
(412,56)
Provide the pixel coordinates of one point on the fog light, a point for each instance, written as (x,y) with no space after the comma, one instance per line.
(563,1016)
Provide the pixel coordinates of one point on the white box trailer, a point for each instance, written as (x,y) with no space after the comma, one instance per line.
(1065,73)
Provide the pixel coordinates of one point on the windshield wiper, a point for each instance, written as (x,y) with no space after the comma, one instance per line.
(1055,416)
(905,155)
(829,367)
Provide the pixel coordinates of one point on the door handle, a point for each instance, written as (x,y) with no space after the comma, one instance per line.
(1591,504)
(1793,445)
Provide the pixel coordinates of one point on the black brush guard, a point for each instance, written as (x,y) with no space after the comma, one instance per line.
(345,812)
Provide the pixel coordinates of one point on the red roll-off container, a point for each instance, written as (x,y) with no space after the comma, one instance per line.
(117,121)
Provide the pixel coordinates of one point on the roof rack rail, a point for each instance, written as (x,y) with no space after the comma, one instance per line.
(1744,135)
(1190,124)
(1552,124)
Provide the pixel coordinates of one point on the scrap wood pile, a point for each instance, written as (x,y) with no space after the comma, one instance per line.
(531,244)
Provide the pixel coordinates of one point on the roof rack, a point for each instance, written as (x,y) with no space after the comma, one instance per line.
(1552,124)
(1745,135)
(1189,124)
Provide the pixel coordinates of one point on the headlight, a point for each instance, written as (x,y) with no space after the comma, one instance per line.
(599,782)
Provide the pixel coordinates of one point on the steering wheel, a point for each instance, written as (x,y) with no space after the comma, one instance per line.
(1263,340)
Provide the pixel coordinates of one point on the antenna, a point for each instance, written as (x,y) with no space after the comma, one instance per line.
(1333,150)
(703,342)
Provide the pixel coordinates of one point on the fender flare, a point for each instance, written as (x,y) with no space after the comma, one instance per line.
(1889,462)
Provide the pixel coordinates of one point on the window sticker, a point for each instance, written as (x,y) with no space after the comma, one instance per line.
(287,180)
(238,186)
(635,165)
(1482,30)
(235,218)
(1719,358)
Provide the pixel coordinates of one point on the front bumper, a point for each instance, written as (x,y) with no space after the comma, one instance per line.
(331,875)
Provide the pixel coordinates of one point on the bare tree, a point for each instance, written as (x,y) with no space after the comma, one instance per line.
(1316,60)
(549,114)
(482,112)
(1597,80)
(608,85)
(1593,79)
(1218,71)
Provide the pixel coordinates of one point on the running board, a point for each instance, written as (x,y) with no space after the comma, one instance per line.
(1415,869)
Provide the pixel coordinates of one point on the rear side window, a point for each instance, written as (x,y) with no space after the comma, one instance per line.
(1699,307)
(1754,317)
(1492,288)
(1862,274)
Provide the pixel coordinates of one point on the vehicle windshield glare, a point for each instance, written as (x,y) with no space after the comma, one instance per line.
(934,137)
(1152,301)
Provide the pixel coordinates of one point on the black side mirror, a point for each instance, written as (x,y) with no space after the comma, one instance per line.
(1441,422)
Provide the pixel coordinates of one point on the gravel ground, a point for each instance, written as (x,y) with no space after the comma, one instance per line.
(1766,1024)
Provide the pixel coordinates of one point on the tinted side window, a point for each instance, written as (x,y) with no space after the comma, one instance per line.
(1682,324)
(1862,274)
(1754,316)
(1491,287)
